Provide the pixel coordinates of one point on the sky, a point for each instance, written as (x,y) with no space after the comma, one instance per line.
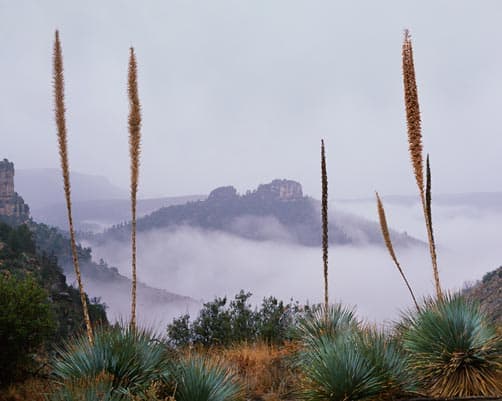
(241,92)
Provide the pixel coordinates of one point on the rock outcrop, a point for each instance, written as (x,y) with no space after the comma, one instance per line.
(12,206)
(223,193)
(284,190)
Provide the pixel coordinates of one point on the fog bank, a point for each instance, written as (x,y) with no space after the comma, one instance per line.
(204,264)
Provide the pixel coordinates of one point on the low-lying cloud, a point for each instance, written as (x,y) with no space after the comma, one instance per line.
(204,264)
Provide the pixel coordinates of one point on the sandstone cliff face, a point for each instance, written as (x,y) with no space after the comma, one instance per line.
(12,205)
(281,190)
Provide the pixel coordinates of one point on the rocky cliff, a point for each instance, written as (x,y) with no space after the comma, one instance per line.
(12,206)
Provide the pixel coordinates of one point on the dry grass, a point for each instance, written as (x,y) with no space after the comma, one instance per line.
(59,107)
(134,151)
(33,389)
(266,371)
(388,242)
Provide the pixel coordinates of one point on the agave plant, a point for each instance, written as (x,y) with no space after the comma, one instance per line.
(453,350)
(355,364)
(132,359)
(319,322)
(199,378)
(335,370)
(387,357)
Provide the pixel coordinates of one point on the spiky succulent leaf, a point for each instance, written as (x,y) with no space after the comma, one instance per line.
(201,379)
(132,358)
(335,370)
(453,349)
(317,323)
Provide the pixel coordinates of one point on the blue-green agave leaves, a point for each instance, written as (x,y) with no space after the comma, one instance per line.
(199,378)
(132,359)
(453,349)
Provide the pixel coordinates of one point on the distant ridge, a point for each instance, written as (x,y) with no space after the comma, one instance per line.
(97,215)
(42,187)
(277,211)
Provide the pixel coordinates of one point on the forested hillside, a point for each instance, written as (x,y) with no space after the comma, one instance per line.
(277,211)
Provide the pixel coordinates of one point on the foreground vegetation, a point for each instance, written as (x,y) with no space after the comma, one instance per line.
(447,349)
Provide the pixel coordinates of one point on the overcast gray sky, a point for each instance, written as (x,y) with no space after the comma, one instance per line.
(240,92)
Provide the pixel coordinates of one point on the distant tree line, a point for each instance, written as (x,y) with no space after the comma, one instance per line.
(221,322)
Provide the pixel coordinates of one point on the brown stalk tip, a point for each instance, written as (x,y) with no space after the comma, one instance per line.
(412,111)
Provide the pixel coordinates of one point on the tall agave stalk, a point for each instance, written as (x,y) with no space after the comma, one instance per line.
(134,152)
(58,78)
(415,147)
(324,216)
(388,242)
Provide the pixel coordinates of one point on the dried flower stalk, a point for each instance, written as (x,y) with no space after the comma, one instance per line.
(415,147)
(386,236)
(324,216)
(134,152)
(58,82)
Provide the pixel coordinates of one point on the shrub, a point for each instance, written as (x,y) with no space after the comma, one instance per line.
(26,322)
(276,320)
(213,326)
(219,324)
(179,331)
(453,350)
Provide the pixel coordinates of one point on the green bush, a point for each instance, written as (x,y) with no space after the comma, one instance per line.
(26,322)
(213,326)
(222,323)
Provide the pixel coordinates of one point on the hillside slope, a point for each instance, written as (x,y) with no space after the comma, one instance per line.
(488,292)
(20,256)
(105,282)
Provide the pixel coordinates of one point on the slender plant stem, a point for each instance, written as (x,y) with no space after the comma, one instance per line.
(415,146)
(430,232)
(134,151)
(324,216)
(388,242)
(58,78)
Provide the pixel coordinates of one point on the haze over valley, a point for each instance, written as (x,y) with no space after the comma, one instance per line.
(219,243)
